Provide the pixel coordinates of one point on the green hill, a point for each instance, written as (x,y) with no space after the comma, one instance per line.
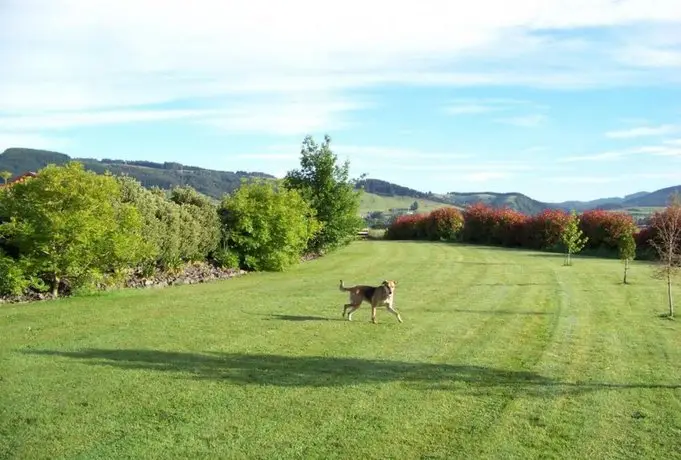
(372,202)
(164,175)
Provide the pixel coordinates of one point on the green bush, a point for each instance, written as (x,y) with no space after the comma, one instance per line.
(182,226)
(267,225)
(70,226)
(13,280)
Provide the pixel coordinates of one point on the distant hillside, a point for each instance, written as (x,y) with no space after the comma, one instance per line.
(216,183)
(384,188)
(164,175)
(371,202)
(655,199)
(516,201)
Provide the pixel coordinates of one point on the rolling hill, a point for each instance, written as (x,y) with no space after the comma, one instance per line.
(164,175)
(380,195)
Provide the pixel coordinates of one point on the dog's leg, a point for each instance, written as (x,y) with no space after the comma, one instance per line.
(373,313)
(353,308)
(392,310)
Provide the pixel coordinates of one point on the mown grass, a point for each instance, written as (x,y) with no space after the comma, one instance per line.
(371,202)
(502,354)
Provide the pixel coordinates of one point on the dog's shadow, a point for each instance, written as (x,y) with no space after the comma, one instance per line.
(299,318)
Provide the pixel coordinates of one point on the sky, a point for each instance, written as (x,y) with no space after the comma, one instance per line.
(555,99)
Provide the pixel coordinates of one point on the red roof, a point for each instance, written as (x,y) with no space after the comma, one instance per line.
(21,178)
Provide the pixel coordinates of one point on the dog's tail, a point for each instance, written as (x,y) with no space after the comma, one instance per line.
(342,287)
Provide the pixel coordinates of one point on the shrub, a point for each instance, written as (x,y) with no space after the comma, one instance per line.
(71,225)
(13,280)
(268,226)
(183,226)
(442,224)
(604,229)
(544,230)
(478,224)
(406,227)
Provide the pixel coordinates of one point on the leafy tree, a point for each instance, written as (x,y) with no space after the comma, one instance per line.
(6,175)
(268,226)
(627,251)
(326,185)
(71,227)
(667,243)
(572,238)
(414,206)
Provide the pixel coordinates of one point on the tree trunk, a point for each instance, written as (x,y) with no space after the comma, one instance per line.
(626,267)
(55,287)
(669,294)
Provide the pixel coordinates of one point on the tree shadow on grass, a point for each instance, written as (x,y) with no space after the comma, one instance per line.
(320,371)
(300,318)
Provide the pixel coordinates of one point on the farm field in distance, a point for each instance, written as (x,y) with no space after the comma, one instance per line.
(372,202)
(502,354)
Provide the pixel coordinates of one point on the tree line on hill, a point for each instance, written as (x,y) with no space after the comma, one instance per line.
(70,229)
(215,183)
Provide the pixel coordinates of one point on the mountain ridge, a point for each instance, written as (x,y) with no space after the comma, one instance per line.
(215,183)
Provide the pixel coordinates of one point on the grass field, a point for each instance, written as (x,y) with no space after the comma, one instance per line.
(502,354)
(372,202)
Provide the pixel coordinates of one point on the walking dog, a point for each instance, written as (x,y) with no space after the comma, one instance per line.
(376,296)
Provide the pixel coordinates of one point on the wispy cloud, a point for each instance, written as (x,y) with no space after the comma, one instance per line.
(610,178)
(643,131)
(485,105)
(125,54)
(524,121)
(32,140)
(603,156)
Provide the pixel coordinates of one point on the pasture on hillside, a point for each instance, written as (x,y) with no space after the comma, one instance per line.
(371,202)
(502,354)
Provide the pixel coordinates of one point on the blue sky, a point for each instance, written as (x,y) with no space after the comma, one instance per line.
(558,100)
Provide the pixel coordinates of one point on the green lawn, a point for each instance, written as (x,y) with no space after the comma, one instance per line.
(502,354)
(372,202)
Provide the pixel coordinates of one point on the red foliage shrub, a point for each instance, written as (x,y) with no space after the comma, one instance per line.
(604,228)
(543,231)
(440,224)
(443,224)
(407,227)
(508,227)
(478,222)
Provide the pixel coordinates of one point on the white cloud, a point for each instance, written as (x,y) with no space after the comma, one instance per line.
(613,178)
(486,105)
(603,156)
(524,121)
(32,140)
(486,176)
(103,54)
(667,148)
(66,120)
(294,117)
(643,131)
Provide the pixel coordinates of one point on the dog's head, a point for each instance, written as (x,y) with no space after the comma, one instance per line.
(390,285)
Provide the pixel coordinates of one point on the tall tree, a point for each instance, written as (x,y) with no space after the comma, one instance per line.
(626,245)
(667,243)
(573,238)
(328,188)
